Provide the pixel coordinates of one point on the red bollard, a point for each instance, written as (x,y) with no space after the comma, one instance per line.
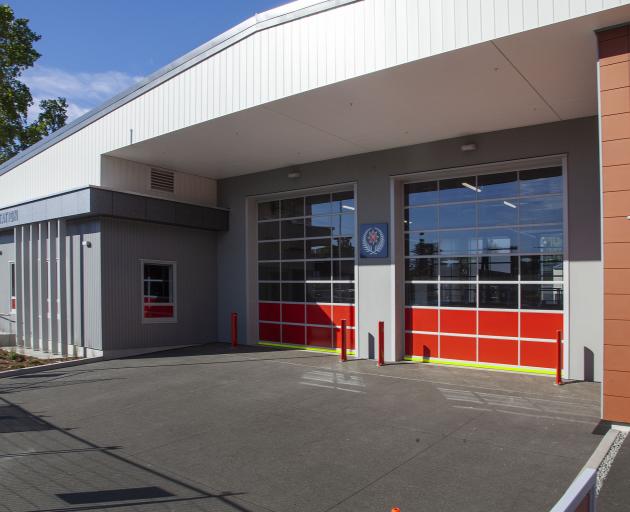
(344,347)
(381,343)
(234,330)
(559,358)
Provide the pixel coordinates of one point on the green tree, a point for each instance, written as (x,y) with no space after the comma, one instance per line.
(17,55)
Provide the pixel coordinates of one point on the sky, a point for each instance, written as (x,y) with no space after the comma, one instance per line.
(93,49)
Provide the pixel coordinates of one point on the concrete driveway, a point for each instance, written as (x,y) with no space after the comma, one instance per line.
(210,429)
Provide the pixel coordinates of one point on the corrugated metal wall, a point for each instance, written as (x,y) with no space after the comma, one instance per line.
(58,286)
(286,59)
(125,244)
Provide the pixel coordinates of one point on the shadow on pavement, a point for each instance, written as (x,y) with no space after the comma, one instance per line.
(14,418)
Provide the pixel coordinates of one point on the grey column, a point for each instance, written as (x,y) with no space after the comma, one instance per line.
(62,312)
(43,286)
(26,285)
(53,328)
(70,296)
(19,293)
(33,230)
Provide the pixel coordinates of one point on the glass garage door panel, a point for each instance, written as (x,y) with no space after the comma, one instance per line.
(306,265)
(484,259)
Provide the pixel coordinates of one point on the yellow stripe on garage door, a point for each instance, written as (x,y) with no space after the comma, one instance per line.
(303,347)
(466,364)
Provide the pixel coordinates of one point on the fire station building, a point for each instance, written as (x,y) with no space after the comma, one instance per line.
(457,170)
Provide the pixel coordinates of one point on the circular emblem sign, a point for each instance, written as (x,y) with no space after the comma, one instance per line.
(373,240)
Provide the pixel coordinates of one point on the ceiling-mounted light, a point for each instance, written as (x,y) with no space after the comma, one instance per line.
(468,147)
(471,187)
(507,203)
(294,175)
(348,207)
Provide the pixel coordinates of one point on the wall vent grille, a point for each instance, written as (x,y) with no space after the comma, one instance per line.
(164,181)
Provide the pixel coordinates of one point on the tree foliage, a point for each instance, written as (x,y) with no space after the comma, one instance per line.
(17,54)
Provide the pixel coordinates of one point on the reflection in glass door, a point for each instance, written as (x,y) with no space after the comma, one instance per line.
(306,257)
(484,260)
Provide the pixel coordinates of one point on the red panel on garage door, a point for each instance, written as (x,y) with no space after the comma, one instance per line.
(498,323)
(422,345)
(454,347)
(421,319)
(318,314)
(293,334)
(269,311)
(538,353)
(293,313)
(541,325)
(269,332)
(459,321)
(319,336)
(498,351)
(343,313)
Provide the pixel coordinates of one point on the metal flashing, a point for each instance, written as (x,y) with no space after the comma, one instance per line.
(94,201)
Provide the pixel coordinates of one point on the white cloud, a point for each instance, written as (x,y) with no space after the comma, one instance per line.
(84,91)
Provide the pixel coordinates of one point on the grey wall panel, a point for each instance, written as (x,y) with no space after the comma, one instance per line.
(87,282)
(94,202)
(372,171)
(7,254)
(125,243)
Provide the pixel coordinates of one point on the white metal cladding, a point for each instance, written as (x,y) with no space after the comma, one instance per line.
(271,59)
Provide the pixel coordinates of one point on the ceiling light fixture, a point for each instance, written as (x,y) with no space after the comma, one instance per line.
(294,175)
(468,147)
(471,187)
(507,203)
(348,207)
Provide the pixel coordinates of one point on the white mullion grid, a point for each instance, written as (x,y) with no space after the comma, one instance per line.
(482,201)
(490,336)
(305,324)
(304,217)
(518,316)
(439,288)
(499,310)
(476,255)
(473,281)
(304,261)
(478,231)
(477,274)
(309,281)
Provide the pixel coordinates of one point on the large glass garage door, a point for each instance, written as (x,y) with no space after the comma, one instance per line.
(306,260)
(484,272)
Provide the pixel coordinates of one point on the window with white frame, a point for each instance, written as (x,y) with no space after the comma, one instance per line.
(159,300)
(12,295)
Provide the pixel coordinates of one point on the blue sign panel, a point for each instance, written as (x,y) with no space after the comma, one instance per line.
(373,240)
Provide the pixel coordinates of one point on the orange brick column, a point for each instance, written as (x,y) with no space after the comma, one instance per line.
(614,84)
